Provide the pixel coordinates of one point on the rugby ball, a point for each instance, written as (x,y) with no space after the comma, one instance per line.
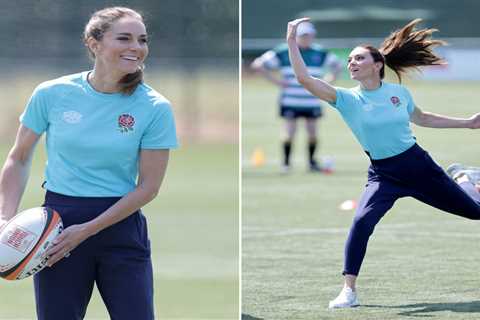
(24,240)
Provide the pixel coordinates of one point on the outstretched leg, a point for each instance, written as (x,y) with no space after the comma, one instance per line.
(378,197)
(442,192)
(473,190)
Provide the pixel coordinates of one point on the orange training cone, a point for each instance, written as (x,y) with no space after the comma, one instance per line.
(258,157)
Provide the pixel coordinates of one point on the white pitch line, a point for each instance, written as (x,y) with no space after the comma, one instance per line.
(395,230)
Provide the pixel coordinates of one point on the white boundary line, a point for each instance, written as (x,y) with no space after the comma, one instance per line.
(394,229)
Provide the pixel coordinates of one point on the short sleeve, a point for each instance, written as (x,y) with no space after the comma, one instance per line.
(410,102)
(161,132)
(35,115)
(345,99)
(270,60)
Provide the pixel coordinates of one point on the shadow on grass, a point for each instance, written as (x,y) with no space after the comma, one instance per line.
(249,317)
(422,309)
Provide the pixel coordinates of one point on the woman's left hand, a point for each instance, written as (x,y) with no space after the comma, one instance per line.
(68,240)
(475,121)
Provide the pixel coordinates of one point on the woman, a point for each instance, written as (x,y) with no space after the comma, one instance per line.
(103,127)
(379,113)
(295,101)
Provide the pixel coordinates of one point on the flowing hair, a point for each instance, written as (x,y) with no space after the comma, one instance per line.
(99,23)
(407,48)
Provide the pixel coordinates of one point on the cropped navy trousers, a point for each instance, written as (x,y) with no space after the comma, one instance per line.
(117,260)
(412,173)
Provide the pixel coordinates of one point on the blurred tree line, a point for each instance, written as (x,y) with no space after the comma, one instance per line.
(177,28)
(193,52)
(359,18)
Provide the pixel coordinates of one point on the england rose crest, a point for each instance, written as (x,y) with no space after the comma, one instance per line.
(126,123)
(395,101)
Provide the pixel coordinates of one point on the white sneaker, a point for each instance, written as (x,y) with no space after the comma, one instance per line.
(456,170)
(453,169)
(346,299)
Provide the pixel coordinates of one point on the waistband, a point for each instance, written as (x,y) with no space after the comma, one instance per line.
(413,149)
(61,199)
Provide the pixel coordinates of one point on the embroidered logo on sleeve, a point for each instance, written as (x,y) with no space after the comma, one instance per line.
(72,117)
(126,123)
(395,101)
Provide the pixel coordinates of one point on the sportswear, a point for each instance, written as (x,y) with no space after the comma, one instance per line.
(93,139)
(379,119)
(347,298)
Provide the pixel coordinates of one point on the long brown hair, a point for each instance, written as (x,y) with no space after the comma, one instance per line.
(407,48)
(99,23)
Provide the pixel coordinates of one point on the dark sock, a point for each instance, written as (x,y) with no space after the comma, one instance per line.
(287,148)
(312,146)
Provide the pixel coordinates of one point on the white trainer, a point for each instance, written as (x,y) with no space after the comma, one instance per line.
(346,299)
(456,170)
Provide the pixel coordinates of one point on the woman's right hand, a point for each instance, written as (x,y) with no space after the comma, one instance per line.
(292,28)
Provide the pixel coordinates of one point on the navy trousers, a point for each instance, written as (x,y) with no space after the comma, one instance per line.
(117,259)
(412,173)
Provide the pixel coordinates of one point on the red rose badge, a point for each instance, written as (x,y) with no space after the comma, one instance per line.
(395,101)
(126,123)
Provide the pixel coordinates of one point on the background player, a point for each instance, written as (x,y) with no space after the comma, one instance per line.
(296,102)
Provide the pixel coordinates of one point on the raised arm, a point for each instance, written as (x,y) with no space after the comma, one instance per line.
(15,172)
(317,87)
(432,120)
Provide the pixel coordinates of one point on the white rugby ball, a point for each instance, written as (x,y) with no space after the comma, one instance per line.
(24,240)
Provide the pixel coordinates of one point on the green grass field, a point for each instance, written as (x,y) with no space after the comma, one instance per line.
(193,225)
(421,263)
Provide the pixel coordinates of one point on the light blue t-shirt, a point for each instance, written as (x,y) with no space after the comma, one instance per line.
(379,119)
(93,139)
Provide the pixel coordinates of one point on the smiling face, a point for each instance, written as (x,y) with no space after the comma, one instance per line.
(362,66)
(123,47)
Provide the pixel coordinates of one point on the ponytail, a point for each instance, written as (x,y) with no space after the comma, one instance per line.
(409,48)
(130,81)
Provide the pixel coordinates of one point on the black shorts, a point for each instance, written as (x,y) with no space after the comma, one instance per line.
(300,112)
